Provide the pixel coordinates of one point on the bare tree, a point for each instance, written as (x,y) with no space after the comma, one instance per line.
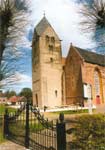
(8,72)
(14,16)
(13,21)
(93,15)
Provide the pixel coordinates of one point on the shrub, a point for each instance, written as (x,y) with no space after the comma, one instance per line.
(88,132)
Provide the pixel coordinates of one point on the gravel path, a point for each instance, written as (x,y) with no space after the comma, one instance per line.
(100,108)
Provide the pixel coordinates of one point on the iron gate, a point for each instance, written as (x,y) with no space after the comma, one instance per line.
(28,127)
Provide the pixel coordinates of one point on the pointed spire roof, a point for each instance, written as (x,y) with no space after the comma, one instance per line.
(42,25)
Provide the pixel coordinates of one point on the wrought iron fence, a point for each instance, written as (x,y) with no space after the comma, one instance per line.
(29,128)
(42,132)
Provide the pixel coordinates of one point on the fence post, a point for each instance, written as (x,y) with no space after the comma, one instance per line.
(61,133)
(6,123)
(27,126)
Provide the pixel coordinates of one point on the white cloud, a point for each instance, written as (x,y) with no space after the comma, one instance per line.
(22,78)
(20,81)
(16,82)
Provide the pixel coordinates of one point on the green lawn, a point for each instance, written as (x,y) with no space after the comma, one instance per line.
(1,136)
(1,130)
(3,107)
(2,111)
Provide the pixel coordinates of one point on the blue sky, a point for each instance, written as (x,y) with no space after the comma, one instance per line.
(64,17)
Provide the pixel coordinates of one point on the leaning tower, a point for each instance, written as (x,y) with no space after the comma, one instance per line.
(46,66)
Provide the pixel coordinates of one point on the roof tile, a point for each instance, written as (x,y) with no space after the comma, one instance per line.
(92,57)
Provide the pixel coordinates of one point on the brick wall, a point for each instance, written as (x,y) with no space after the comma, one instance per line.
(73,78)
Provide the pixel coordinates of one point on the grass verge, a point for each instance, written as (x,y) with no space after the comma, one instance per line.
(2,111)
(72,111)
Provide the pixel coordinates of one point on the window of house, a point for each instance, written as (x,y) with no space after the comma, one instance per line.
(63,67)
(47,38)
(97,82)
(52,39)
(56,93)
(50,47)
(51,59)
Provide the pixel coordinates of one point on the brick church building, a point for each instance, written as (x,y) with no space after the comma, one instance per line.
(61,81)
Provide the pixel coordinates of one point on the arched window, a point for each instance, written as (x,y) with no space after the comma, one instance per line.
(97,82)
(52,39)
(98,87)
(51,59)
(47,38)
(56,93)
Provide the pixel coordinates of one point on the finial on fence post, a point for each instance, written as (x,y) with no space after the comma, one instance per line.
(61,117)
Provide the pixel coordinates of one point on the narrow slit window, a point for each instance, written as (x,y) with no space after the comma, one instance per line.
(51,59)
(56,93)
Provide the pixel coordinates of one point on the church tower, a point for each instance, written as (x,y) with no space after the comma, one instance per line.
(46,66)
